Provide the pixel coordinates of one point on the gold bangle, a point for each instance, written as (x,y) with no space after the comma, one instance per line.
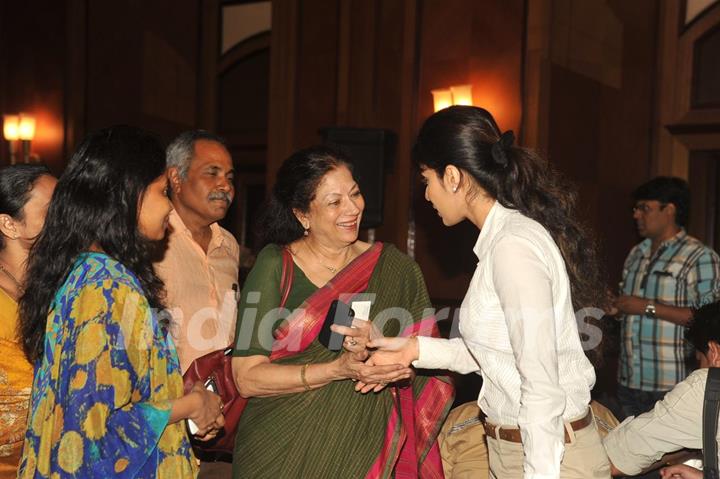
(303,370)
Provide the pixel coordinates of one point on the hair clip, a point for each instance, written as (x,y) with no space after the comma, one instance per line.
(499,149)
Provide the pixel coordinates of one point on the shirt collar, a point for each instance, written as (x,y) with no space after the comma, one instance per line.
(679,236)
(490,227)
(217,239)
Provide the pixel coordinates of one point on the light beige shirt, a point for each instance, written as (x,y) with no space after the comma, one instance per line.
(673,424)
(202,290)
(518,330)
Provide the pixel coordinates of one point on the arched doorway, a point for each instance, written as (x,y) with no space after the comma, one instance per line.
(235,98)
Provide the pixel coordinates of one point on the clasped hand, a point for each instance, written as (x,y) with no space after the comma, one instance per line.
(626,305)
(372,370)
(208,416)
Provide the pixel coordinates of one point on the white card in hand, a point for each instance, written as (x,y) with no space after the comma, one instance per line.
(210,386)
(362,309)
(192,427)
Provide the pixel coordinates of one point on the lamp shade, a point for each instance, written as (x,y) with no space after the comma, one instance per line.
(26,127)
(462,94)
(11,127)
(442,98)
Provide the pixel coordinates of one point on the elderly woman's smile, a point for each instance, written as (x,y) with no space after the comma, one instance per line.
(349,225)
(336,211)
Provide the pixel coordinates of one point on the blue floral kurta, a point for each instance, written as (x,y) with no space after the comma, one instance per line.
(102,392)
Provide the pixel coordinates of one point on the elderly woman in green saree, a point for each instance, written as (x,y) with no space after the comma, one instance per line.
(306,415)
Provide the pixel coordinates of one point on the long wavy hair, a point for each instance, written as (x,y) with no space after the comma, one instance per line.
(295,186)
(468,138)
(96,203)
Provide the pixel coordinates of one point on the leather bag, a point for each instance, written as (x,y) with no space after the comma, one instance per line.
(217,366)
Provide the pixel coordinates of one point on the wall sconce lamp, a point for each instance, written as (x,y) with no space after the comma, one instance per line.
(20,127)
(455,95)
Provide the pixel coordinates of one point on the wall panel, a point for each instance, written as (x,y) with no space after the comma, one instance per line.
(480,43)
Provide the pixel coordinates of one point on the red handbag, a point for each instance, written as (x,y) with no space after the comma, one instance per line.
(217,366)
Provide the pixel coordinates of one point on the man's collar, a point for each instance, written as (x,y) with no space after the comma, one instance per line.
(677,237)
(217,238)
(177,223)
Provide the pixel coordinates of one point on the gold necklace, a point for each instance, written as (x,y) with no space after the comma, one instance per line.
(13,278)
(329,268)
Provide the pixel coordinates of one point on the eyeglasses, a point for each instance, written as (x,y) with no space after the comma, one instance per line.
(646,207)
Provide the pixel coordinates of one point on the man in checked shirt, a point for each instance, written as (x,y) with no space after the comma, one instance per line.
(665,276)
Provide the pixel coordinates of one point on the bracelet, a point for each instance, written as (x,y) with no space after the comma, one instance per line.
(303,370)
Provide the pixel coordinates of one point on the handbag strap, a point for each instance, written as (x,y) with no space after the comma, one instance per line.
(711,408)
(286,278)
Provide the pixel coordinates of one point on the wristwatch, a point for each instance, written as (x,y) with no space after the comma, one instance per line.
(650,310)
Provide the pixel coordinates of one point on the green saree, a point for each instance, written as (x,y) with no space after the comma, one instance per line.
(332,431)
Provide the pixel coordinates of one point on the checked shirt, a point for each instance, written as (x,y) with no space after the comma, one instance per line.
(683,272)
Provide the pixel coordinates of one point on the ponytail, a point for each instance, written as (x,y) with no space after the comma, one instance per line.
(469,138)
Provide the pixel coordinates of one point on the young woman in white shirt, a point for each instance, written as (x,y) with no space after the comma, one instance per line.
(517,323)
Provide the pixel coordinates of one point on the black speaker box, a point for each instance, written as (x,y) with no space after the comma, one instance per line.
(371,152)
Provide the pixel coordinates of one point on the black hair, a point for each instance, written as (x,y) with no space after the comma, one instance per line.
(704,327)
(666,190)
(294,189)
(469,138)
(95,203)
(16,183)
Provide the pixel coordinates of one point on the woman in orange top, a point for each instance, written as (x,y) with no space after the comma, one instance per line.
(25,191)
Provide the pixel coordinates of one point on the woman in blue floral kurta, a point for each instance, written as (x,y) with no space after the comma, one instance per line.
(107,398)
(100,402)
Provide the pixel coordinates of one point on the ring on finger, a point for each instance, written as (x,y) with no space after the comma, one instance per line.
(352,342)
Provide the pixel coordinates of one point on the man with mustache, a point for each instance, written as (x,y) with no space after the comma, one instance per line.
(200,266)
(664,278)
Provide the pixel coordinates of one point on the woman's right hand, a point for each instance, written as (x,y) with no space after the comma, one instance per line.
(207,413)
(401,351)
(353,366)
(394,350)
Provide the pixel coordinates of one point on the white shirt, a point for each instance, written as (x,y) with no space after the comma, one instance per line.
(674,423)
(519,331)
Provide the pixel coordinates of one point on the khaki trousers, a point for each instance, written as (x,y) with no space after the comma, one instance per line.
(462,444)
(584,457)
